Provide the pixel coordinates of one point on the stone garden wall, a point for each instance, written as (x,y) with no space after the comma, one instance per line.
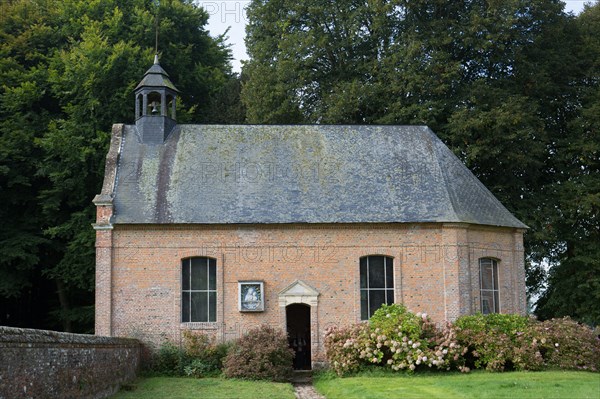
(49,364)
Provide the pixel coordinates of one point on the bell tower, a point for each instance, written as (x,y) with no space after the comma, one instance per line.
(155,103)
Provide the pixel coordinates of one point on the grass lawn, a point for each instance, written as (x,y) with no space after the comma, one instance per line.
(479,384)
(183,388)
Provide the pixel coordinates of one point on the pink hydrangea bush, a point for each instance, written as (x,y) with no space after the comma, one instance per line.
(408,341)
(397,339)
(449,352)
(568,345)
(525,353)
(498,342)
(344,345)
(394,338)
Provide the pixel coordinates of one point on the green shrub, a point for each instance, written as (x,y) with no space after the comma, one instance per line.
(199,356)
(169,360)
(198,368)
(509,324)
(391,319)
(196,343)
(262,354)
(204,356)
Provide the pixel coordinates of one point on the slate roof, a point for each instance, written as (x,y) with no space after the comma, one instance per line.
(228,174)
(156,76)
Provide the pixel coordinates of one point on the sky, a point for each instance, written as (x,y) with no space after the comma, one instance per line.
(231,14)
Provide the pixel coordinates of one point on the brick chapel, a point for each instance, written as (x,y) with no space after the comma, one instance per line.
(221,228)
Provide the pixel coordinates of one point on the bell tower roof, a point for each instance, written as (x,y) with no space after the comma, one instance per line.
(156,77)
(155,105)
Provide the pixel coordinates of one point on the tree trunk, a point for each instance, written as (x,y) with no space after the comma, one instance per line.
(64,306)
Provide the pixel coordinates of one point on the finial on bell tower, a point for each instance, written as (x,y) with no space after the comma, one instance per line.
(155,104)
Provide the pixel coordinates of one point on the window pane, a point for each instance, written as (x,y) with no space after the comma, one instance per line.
(376,272)
(185,274)
(199,306)
(496,302)
(486,276)
(212,274)
(376,299)
(212,301)
(185,307)
(363,273)
(389,272)
(487,302)
(390,296)
(495,271)
(364,305)
(199,274)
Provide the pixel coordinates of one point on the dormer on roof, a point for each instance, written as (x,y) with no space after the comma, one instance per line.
(155,103)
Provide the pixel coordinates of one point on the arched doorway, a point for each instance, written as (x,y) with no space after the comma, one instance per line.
(298,329)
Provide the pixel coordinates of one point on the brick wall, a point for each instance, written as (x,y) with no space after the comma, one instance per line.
(435,271)
(48,364)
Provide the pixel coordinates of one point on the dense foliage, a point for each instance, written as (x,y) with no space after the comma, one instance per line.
(566,344)
(262,354)
(497,342)
(500,342)
(400,340)
(200,356)
(511,86)
(67,72)
(206,356)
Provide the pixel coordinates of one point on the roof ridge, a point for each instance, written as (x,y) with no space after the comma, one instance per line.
(435,139)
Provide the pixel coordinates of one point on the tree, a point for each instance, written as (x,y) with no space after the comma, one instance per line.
(574,283)
(25,105)
(68,69)
(314,59)
(500,81)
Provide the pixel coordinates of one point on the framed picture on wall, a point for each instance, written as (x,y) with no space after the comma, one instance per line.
(251,296)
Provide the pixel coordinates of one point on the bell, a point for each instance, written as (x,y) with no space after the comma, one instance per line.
(154,110)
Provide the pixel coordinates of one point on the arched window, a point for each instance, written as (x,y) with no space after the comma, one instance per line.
(198,290)
(171,106)
(376,284)
(488,285)
(139,106)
